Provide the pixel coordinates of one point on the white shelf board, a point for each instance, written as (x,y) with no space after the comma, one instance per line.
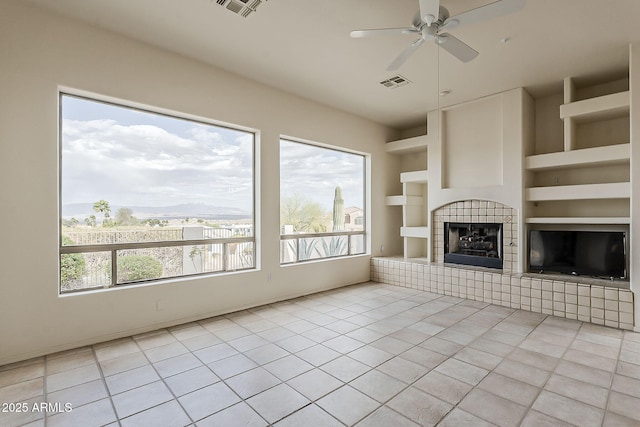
(599,108)
(403,200)
(394,200)
(414,176)
(408,145)
(420,232)
(578,220)
(615,190)
(611,154)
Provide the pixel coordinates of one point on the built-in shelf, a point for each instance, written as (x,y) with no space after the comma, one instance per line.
(408,145)
(419,232)
(394,200)
(599,108)
(615,190)
(415,229)
(414,176)
(404,200)
(609,151)
(597,156)
(579,220)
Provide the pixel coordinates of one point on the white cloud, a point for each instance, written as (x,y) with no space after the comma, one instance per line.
(315,172)
(143,164)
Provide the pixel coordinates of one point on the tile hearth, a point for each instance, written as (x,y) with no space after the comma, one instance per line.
(588,302)
(368,355)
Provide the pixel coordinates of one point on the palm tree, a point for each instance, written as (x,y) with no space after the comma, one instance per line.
(103,207)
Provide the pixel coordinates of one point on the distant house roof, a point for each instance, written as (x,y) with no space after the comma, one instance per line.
(352,209)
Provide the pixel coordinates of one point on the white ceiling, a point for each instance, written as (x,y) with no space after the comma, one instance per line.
(303,47)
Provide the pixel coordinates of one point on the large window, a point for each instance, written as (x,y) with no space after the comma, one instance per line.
(147,196)
(322,202)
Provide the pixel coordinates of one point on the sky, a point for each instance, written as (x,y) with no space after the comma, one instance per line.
(315,172)
(130,157)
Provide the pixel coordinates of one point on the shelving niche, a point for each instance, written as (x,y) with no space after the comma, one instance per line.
(413,200)
(585,178)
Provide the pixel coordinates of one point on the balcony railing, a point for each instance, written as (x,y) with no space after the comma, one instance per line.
(114,264)
(313,246)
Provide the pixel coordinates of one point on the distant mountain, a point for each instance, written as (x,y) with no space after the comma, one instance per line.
(186,210)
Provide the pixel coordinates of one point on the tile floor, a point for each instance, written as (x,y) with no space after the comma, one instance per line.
(366,355)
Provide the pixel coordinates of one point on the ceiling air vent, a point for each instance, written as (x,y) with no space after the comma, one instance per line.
(240,7)
(395,82)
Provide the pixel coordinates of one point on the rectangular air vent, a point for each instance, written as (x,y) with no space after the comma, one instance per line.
(234,6)
(240,7)
(395,82)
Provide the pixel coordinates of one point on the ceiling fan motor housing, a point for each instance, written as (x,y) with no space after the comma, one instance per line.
(443,15)
(429,33)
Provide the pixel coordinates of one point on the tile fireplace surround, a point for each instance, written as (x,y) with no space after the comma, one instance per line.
(479,211)
(588,302)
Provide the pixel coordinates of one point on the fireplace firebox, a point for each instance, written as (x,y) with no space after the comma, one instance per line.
(473,244)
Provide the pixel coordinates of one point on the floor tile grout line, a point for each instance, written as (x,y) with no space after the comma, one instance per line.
(163,382)
(491,370)
(408,385)
(106,387)
(311,401)
(452,356)
(542,387)
(613,373)
(551,373)
(319,367)
(613,377)
(371,368)
(391,314)
(103,381)
(243,400)
(575,336)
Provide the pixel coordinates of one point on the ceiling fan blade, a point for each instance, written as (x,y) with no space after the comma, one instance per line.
(429,11)
(456,47)
(405,55)
(382,31)
(492,10)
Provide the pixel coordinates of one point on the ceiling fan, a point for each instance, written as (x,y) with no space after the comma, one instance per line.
(432,20)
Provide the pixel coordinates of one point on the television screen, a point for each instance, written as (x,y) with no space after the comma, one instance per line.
(584,253)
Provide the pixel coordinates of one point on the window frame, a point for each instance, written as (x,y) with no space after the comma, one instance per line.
(113,248)
(366,166)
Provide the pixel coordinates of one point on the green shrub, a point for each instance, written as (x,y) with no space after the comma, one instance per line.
(72,266)
(138,267)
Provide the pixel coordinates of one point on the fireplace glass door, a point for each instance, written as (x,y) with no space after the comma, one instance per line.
(473,244)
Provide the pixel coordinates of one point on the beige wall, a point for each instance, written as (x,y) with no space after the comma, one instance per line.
(41,52)
(472,152)
(634,260)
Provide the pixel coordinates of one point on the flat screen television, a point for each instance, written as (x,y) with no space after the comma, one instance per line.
(582,253)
